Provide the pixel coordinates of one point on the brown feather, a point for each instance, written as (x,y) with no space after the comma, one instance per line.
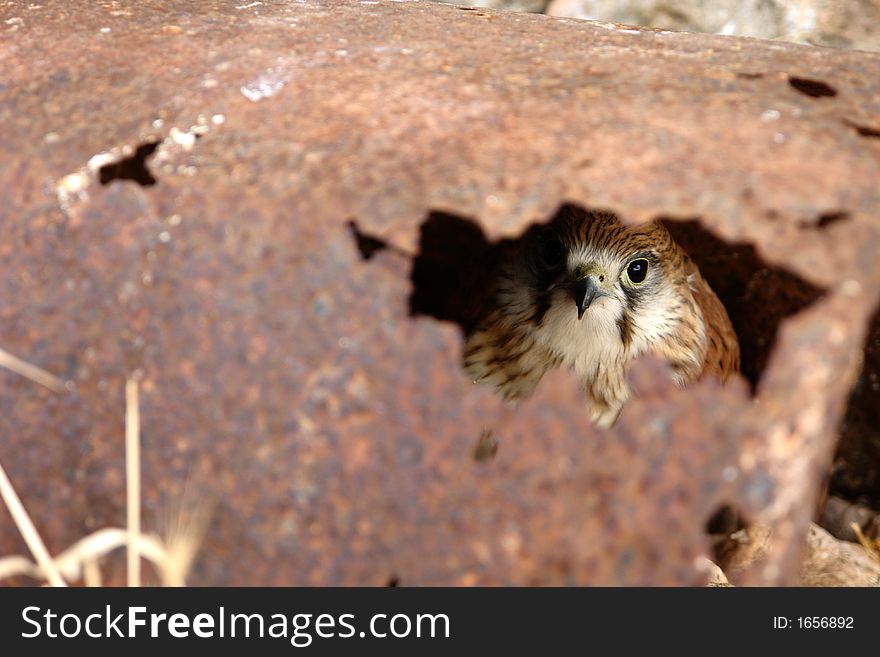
(722,353)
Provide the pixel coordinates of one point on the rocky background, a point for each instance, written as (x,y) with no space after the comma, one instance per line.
(833,23)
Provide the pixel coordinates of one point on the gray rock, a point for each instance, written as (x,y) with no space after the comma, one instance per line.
(835,23)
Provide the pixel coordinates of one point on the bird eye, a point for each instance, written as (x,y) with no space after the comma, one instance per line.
(552,253)
(637,270)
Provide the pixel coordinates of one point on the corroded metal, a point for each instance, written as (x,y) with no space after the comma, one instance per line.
(335,432)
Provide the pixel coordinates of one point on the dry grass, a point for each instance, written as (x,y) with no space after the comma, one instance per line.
(172,556)
(132,480)
(31,372)
(27,530)
(872,546)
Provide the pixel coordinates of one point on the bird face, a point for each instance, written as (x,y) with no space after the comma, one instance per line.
(604,281)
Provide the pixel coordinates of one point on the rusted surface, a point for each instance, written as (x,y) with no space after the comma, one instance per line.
(336,432)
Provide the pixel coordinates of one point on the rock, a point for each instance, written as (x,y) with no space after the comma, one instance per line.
(836,23)
(716,578)
(832,562)
(838,517)
(827,561)
(744,548)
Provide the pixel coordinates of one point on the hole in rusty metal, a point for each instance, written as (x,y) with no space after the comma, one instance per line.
(826,219)
(474,9)
(487,446)
(830,218)
(756,295)
(724,521)
(812,88)
(724,529)
(855,475)
(131,168)
(393,581)
(863,130)
(450,273)
(367,245)
(750,76)
(451,278)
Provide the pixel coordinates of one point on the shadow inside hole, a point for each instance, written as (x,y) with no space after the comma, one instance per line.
(131,168)
(756,295)
(367,245)
(725,540)
(451,274)
(855,475)
(830,218)
(863,130)
(724,521)
(812,88)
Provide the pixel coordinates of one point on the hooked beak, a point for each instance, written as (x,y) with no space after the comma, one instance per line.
(584,291)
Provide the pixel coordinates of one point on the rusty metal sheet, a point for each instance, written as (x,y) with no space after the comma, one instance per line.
(177,184)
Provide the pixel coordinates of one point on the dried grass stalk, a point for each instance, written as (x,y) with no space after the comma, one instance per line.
(31,372)
(132,479)
(28,531)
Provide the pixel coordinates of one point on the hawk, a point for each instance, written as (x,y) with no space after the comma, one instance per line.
(591,294)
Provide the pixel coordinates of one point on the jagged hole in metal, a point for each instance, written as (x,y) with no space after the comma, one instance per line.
(131,168)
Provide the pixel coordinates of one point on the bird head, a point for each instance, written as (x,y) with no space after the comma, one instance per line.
(620,280)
